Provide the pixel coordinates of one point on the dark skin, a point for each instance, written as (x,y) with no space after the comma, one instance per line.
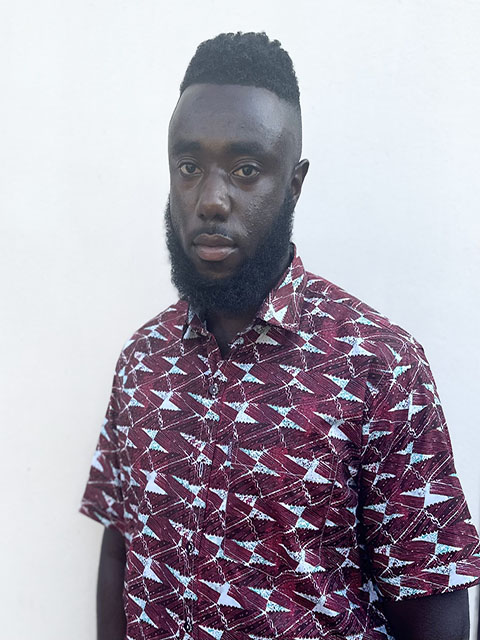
(440,617)
(234,152)
(111,622)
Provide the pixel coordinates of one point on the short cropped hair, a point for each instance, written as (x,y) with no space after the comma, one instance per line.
(249,59)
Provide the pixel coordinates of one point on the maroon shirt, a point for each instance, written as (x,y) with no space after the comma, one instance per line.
(283,491)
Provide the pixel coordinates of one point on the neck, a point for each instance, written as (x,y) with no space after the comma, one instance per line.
(225,326)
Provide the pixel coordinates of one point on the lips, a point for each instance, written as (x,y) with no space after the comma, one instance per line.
(213,247)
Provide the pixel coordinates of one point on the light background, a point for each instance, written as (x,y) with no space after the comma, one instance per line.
(390,211)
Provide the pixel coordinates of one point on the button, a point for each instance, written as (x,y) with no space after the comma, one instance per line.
(188,625)
(190,548)
(213,389)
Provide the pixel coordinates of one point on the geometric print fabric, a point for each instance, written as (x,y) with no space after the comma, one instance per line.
(288,489)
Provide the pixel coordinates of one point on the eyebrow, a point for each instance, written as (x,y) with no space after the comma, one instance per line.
(183,146)
(247,148)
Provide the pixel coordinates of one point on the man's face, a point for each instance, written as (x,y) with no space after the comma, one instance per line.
(232,155)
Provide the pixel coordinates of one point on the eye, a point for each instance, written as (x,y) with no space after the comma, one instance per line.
(189,169)
(246,171)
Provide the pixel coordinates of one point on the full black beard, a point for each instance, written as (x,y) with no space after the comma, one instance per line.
(249,285)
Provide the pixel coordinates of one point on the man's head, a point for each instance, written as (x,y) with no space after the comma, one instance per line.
(235,171)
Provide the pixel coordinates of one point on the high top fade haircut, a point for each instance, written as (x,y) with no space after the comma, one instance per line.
(249,59)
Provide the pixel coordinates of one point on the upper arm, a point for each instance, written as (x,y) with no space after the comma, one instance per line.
(417,528)
(437,617)
(113,545)
(103,498)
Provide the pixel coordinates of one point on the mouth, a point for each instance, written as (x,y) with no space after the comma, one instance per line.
(213,247)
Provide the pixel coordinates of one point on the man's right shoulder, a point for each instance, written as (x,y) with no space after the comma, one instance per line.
(160,333)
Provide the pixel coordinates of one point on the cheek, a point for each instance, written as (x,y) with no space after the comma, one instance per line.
(254,219)
(178,218)
(180,202)
(177,201)
(259,216)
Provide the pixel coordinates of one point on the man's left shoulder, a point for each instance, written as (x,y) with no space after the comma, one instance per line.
(343,318)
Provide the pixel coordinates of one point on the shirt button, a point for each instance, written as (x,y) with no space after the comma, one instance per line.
(213,389)
(188,625)
(189,547)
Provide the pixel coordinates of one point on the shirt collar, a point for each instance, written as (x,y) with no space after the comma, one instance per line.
(282,307)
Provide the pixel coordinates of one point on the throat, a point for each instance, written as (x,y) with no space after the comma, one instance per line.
(226,327)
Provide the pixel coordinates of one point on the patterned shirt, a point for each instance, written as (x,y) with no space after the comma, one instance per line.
(284,491)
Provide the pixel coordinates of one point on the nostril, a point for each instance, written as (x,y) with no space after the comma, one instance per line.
(212,214)
(213,205)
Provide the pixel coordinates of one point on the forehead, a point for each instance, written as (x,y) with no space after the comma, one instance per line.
(217,115)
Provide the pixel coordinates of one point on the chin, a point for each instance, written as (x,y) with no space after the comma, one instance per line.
(215,278)
(214,271)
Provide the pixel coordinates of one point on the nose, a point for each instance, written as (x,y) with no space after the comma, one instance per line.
(214,199)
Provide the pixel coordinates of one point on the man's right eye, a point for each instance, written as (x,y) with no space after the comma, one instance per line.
(189,169)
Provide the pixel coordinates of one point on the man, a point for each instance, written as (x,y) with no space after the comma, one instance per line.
(274,461)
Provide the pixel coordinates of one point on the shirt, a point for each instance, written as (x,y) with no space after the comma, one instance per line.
(286,490)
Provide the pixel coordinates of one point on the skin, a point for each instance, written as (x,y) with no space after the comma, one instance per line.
(111,621)
(439,617)
(234,152)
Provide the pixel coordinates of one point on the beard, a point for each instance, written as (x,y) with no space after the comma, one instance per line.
(245,289)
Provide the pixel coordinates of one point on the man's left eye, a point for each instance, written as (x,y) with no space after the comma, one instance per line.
(246,171)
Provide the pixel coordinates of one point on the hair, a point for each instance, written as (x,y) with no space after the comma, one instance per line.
(249,59)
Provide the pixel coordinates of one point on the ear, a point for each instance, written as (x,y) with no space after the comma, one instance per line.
(299,173)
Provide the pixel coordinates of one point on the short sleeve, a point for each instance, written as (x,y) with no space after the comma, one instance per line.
(103,498)
(417,529)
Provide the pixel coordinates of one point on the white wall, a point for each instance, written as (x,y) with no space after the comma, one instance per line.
(390,211)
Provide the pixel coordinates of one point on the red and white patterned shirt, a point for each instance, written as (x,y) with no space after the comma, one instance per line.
(285,490)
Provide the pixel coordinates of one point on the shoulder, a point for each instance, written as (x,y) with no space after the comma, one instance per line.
(157,335)
(356,328)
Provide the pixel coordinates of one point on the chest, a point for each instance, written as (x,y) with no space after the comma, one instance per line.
(222,439)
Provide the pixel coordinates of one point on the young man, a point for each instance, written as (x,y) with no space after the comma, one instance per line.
(274,461)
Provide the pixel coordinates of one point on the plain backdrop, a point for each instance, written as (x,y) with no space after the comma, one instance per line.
(390,211)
